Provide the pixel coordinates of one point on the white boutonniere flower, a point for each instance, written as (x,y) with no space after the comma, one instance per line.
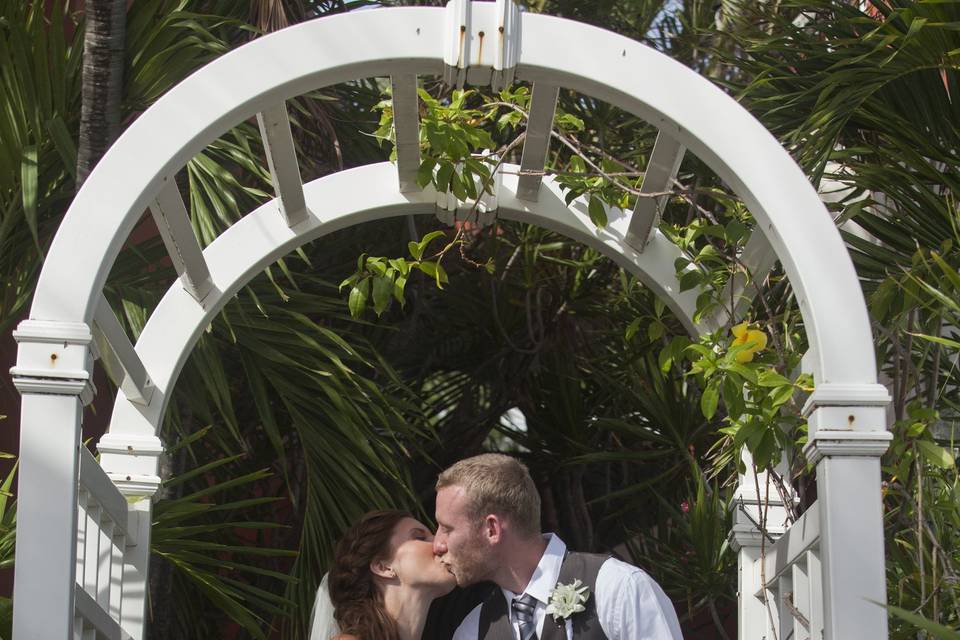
(567,599)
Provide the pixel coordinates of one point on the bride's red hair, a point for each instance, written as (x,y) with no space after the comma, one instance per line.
(357,603)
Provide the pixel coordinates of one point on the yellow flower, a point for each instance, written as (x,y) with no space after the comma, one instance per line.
(755,340)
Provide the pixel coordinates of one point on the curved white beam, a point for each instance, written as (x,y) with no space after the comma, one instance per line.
(335,202)
(407,40)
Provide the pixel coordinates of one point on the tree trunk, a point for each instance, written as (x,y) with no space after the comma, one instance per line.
(103,50)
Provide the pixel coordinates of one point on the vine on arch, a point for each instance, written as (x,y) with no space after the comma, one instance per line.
(751,365)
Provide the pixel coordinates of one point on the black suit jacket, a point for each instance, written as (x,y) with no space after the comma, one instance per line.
(448,612)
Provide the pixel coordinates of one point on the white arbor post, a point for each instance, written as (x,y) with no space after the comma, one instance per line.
(131,461)
(53,376)
(847,438)
(755,616)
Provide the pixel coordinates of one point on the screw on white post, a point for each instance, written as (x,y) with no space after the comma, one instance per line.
(481,43)
(131,462)
(54,358)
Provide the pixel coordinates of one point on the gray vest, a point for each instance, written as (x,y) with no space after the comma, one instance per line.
(495,618)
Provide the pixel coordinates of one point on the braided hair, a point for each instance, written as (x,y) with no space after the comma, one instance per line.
(358,604)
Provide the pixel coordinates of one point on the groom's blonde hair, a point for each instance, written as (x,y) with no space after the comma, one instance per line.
(498,484)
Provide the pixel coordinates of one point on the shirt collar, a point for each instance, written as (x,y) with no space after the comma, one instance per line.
(545,576)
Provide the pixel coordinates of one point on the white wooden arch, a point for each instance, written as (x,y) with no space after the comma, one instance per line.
(74,579)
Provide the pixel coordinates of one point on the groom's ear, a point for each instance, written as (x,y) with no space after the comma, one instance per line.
(493,528)
(382,569)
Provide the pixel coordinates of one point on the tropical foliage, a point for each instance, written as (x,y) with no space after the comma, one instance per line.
(307,403)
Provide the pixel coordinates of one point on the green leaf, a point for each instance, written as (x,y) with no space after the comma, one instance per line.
(444,173)
(349,281)
(416,251)
(655,330)
(426,240)
(357,301)
(935,454)
(710,399)
(937,630)
(458,186)
(382,293)
(742,370)
(953,344)
(435,271)
(376,266)
(29,187)
(598,214)
(916,429)
(63,142)
(770,378)
(690,279)
(425,172)
(398,286)
(781,395)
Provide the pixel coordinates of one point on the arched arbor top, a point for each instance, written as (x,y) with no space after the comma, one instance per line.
(403,41)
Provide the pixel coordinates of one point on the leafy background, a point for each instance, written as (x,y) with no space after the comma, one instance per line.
(292,417)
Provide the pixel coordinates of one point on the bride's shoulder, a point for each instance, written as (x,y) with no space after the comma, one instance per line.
(345,636)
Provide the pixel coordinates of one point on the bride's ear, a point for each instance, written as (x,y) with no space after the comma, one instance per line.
(382,569)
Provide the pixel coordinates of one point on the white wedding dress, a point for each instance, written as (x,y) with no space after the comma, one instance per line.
(322,624)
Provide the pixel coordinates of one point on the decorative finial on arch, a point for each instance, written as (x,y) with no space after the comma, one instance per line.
(481,43)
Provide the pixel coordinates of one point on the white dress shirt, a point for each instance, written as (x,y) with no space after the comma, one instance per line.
(630,605)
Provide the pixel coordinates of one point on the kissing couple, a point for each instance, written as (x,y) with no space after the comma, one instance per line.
(389,568)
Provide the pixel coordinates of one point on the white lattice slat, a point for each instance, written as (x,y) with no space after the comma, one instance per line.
(170,214)
(755,263)
(798,538)
(96,623)
(801,600)
(536,145)
(120,356)
(815,575)
(659,176)
(406,123)
(81,530)
(105,561)
(92,548)
(116,576)
(282,159)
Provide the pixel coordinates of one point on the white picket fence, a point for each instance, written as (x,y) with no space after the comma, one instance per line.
(794,581)
(103,535)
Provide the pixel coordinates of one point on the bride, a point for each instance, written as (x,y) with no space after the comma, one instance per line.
(382,581)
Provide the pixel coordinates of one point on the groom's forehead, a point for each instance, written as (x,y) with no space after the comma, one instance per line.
(452,499)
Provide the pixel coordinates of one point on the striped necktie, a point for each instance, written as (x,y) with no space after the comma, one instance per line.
(523,608)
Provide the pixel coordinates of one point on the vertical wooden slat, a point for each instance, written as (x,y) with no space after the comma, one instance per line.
(758,258)
(658,177)
(815,575)
(81,530)
(782,604)
(173,222)
(121,356)
(406,123)
(116,576)
(801,599)
(105,562)
(92,556)
(543,106)
(282,160)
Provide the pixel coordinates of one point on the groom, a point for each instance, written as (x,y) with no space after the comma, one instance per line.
(488,517)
